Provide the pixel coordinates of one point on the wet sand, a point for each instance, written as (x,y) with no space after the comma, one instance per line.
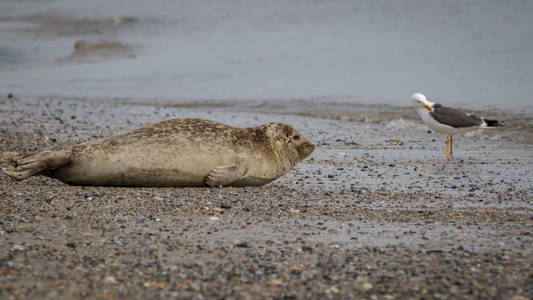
(374,213)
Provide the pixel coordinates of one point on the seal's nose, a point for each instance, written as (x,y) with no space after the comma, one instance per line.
(305,149)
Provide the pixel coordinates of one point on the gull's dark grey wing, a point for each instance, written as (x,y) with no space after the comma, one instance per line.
(454,117)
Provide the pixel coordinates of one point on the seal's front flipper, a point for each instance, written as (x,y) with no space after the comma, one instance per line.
(35,164)
(225,175)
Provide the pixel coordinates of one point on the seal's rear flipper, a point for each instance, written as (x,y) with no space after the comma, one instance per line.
(35,164)
(225,175)
(10,156)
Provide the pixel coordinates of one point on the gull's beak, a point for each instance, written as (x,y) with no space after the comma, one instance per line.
(428,107)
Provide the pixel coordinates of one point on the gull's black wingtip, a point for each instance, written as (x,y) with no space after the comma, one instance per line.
(494,123)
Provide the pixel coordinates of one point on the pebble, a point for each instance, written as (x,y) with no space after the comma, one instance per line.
(17,248)
(110,280)
(365,286)
(297,239)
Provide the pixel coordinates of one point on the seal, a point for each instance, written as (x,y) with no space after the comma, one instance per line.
(173,153)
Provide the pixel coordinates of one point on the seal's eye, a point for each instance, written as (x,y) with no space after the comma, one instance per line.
(296,137)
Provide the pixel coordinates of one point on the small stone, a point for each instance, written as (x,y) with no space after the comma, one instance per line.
(242,245)
(274,282)
(17,248)
(110,280)
(153,284)
(333,290)
(216,210)
(365,286)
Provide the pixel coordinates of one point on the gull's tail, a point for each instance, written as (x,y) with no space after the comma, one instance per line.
(494,123)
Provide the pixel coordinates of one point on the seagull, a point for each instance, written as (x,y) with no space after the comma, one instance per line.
(447,120)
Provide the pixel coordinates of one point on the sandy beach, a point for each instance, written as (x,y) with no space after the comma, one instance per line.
(376,212)
(373,213)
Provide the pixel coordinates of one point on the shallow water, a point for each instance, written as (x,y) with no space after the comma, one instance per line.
(335,60)
(374,50)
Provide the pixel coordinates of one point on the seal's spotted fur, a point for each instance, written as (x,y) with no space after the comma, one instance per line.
(179,152)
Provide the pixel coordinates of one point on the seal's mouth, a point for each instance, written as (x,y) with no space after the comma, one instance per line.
(305,149)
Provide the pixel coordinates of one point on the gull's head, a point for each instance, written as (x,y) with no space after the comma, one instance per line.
(420,101)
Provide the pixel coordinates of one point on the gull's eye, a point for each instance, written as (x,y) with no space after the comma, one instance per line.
(296,137)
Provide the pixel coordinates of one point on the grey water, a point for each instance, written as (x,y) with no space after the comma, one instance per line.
(338,59)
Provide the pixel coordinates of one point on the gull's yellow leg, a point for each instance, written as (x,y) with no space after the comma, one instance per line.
(451,145)
(447,145)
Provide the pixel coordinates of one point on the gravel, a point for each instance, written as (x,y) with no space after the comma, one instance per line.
(374,213)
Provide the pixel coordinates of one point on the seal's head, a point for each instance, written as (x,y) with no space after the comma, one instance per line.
(287,141)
